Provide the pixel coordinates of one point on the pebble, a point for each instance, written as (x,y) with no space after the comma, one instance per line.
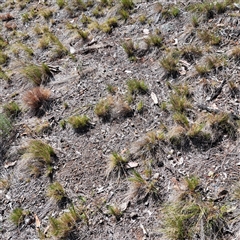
(169,157)
(156,176)
(27,221)
(8,196)
(146,31)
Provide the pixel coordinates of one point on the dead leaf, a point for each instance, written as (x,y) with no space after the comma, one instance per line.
(154,98)
(37,221)
(132,165)
(9,164)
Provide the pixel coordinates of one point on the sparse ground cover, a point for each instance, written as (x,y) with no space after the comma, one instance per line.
(119,119)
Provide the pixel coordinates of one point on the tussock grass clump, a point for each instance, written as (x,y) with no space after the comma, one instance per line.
(37,149)
(235,53)
(46,13)
(5,126)
(191,52)
(209,37)
(111,89)
(177,136)
(142,188)
(102,108)
(79,5)
(17,216)
(115,211)
(4,184)
(11,109)
(62,226)
(221,125)
(56,191)
(3,75)
(38,156)
(117,164)
(154,40)
(170,63)
(195,131)
(37,100)
(168,11)
(37,74)
(79,122)
(189,215)
(3,43)
(3,58)
(129,49)
(137,86)
(181,119)
(127,4)
(210,9)
(61,3)
(211,62)
(179,103)
(142,19)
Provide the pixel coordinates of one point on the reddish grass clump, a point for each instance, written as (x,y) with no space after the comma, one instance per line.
(6,17)
(37,99)
(10,26)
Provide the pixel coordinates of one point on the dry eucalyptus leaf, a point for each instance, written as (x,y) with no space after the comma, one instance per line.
(154,98)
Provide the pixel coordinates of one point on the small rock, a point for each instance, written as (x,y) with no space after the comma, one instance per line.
(171,151)
(180,161)
(27,221)
(8,196)
(169,157)
(156,176)
(124,206)
(146,31)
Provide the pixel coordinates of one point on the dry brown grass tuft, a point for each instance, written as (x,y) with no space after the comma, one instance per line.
(36,99)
